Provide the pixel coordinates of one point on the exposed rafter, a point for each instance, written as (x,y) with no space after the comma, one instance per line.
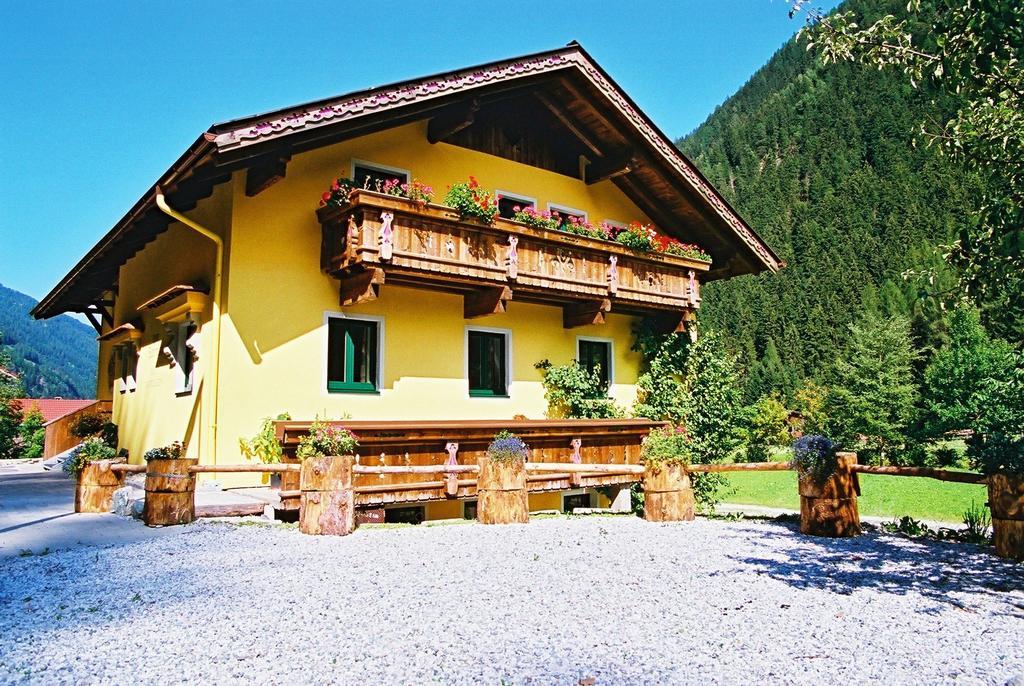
(451,121)
(615,164)
(265,174)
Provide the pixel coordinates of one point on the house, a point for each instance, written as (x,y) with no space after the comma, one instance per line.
(59,415)
(228,293)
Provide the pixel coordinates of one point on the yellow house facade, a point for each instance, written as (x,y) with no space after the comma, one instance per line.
(388,309)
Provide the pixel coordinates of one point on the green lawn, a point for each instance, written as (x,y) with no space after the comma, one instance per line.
(881,496)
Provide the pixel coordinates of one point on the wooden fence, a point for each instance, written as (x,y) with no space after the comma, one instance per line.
(329,490)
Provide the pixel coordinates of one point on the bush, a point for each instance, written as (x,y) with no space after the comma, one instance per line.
(575,392)
(996,453)
(814,457)
(174,451)
(472,201)
(88,424)
(766,428)
(91,450)
(666,446)
(33,434)
(507,447)
(324,439)
(264,445)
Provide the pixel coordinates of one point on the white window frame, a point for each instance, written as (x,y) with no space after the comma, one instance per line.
(555,207)
(615,223)
(507,333)
(517,197)
(183,383)
(325,349)
(611,354)
(377,167)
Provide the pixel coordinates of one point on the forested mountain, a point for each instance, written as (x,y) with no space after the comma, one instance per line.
(55,357)
(824,162)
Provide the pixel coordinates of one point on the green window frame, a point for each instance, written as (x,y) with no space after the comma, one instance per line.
(488,364)
(596,355)
(352,355)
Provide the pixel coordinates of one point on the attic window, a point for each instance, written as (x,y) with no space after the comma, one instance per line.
(373,176)
(507,202)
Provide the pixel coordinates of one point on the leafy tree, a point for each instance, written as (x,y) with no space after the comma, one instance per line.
(10,408)
(959,379)
(766,428)
(710,401)
(32,433)
(872,395)
(810,401)
(973,50)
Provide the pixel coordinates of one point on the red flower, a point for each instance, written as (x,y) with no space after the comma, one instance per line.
(335,186)
(472,182)
(325,197)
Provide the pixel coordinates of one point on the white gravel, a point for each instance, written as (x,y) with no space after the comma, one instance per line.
(617,599)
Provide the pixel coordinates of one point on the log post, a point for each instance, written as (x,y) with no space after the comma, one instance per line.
(1006,500)
(170,492)
(501,492)
(96,486)
(289,483)
(668,494)
(327,505)
(830,508)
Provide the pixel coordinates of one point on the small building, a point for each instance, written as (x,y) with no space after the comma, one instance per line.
(59,415)
(251,282)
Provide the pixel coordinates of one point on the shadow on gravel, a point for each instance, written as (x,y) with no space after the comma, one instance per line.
(886,564)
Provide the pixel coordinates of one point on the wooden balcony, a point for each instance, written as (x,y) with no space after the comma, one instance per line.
(379,238)
(436,443)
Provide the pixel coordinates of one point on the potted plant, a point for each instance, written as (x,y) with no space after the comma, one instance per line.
(472,202)
(668,490)
(501,486)
(264,446)
(326,440)
(1001,459)
(828,488)
(170,486)
(89,464)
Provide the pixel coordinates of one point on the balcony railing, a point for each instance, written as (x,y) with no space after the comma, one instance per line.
(379,237)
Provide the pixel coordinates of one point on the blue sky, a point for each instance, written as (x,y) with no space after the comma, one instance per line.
(100,98)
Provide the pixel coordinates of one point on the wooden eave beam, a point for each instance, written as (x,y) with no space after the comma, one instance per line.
(486,301)
(451,121)
(616,164)
(91,316)
(566,120)
(266,173)
(585,313)
(361,286)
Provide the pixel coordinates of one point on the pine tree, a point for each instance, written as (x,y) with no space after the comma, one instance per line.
(872,394)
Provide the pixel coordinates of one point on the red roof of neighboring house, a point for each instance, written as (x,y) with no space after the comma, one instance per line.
(53,408)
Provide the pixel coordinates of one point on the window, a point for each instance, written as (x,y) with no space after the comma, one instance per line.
(570,501)
(488,358)
(469,509)
(372,176)
(404,515)
(566,212)
(508,201)
(596,354)
(353,362)
(183,357)
(125,361)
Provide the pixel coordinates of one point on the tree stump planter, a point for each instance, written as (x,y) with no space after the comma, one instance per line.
(501,496)
(170,492)
(668,494)
(327,505)
(830,508)
(96,485)
(289,482)
(1006,500)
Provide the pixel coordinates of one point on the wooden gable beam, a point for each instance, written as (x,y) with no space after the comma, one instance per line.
(451,121)
(91,316)
(616,164)
(585,313)
(266,173)
(562,116)
(486,301)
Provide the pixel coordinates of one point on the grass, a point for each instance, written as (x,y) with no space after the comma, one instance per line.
(881,496)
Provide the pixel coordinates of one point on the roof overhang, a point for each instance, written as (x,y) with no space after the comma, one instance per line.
(272,138)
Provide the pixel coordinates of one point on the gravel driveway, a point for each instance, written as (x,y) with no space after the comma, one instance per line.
(619,600)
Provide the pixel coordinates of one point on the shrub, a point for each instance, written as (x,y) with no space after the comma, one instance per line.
(174,451)
(507,447)
(91,450)
(948,456)
(978,525)
(766,428)
(538,220)
(575,392)
(324,439)
(638,237)
(996,453)
(670,246)
(472,201)
(666,445)
(264,445)
(814,457)
(88,424)
(33,434)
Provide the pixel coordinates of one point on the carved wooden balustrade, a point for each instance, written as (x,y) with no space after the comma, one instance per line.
(379,237)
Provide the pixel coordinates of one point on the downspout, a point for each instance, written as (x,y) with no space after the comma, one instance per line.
(212,388)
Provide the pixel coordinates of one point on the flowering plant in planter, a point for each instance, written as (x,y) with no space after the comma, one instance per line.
(91,450)
(670,246)
(539,220)
(814,457)
(581,227)
(472,201)
(669,445)
(324,439)
(174,451)
(338,194)
(507,447)
(638,237)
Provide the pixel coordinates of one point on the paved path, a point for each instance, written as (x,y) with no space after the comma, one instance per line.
(37,513)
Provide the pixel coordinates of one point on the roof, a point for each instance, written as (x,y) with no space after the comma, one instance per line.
(53,408)
(8,374)
(272,137)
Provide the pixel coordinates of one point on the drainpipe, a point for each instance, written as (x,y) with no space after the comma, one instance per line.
(212,386)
